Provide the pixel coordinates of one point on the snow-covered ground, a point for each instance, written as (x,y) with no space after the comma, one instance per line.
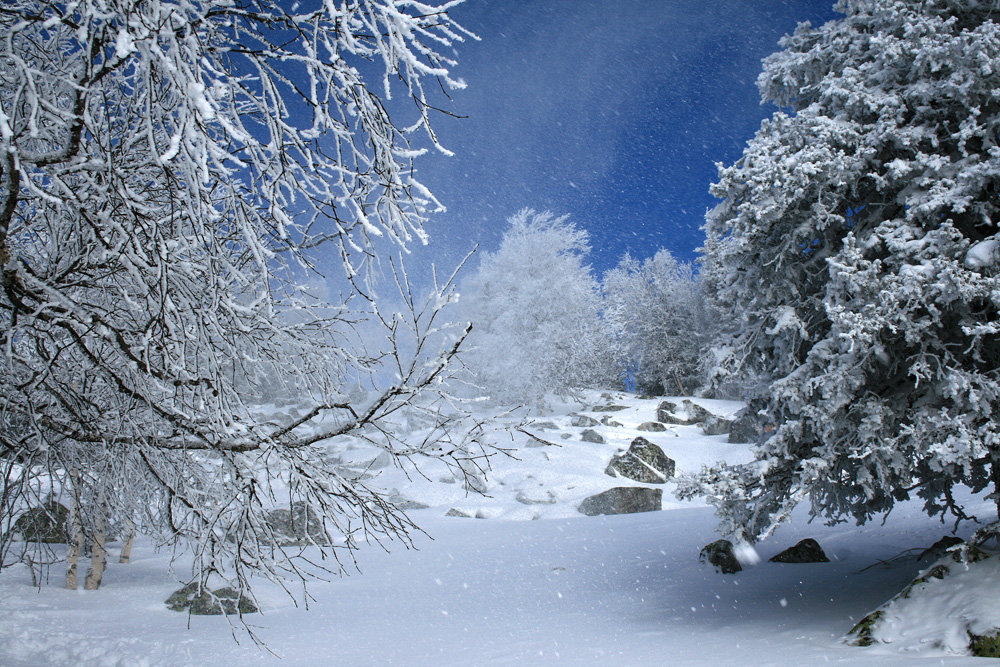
(534,583)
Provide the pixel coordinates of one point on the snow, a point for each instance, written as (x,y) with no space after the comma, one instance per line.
(529,584)
(982,255)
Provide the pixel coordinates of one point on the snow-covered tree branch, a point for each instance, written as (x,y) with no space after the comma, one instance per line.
(167,170)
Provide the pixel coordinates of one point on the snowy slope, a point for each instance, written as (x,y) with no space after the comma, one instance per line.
(560,589)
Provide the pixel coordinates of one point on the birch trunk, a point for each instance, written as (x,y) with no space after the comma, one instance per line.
(75,537)
(126,556)
(99,555)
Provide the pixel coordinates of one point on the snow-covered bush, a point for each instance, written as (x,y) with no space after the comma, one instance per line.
(657,320)
(856,241)
(534,306)
(167,169)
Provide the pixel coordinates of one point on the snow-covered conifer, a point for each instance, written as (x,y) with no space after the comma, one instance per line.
(534,305)
(856,240)
(656,318)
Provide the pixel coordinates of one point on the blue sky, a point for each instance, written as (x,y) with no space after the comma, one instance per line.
(612,112)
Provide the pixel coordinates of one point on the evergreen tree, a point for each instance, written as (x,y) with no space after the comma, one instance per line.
(535,311)
(857,242)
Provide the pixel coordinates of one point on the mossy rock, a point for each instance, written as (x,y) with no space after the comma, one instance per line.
(985,646)
(225,600)
(862,631)
(643,462)
(48,523)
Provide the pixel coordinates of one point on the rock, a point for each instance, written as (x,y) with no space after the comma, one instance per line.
(643,462)
(653,427)
(716,426)
(47,523)
(720,555)
(544,426)
(590,435)
(224,600)
(933,584)
(583,421)
(806,551)
(623,500)
(665,411)
(458,513)
(405,504)
(531,499)
(296,527)
(608,408)
(746,428)
(938,550)
(535,442)
(565,436)
(695,413)
(608,421)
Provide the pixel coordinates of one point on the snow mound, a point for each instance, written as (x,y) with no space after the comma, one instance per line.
(951,606)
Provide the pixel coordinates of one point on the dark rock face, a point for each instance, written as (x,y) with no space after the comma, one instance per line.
(665,413)
(652,427)
(642,462)
(225,600)
(583,421)
(806,551)
(48,523)
(745,428)
(720,555)
(939,548)
(716,426)
(297,526)
(590,435)
(623,500)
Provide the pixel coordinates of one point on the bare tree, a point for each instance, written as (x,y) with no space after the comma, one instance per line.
(168,170)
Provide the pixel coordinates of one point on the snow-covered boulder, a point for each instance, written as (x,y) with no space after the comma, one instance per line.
(806,551)
(590,435)
(297,525)
(651,427)
(952,606)
(642,462)
(688,414)
(623,500)
(583,421)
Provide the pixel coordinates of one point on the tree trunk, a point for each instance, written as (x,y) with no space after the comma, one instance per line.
(126,556)
(75,536)
(995,476)
(99,555)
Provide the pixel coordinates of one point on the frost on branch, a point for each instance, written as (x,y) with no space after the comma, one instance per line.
(166,169)
(855,244)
